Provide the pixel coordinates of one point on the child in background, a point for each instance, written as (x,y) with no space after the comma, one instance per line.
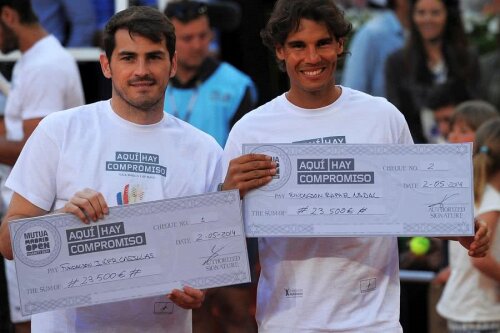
(467,118)
(464,122)
(471,299)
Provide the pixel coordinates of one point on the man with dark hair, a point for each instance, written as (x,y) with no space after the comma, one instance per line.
(45,79)
(206,93)
(140,60)
(442,101)
(320,284)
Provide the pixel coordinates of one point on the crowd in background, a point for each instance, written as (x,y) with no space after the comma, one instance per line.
(418,54)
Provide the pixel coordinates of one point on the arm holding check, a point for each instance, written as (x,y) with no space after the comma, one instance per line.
(254,175)
(88,205)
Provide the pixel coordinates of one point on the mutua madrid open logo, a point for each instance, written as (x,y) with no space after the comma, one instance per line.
(37,243)
(283,166)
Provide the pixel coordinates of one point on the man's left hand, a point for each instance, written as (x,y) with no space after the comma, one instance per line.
(188,298)
(479,244)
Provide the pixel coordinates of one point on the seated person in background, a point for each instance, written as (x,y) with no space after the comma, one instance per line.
(468,117)
(436,51)
(442,101)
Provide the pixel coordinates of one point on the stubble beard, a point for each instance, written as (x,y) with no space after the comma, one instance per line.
(145,105)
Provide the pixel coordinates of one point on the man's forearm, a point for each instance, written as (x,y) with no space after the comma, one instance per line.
(10,150)
(5,245)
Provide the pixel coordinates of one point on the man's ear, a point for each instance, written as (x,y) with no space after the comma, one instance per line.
(105,66)
(9,16)
(340,46)
(173,65)
(280,52)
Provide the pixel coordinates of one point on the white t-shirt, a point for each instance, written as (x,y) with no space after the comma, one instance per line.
(44,80)
(469,295)
(325,284)
(92,147)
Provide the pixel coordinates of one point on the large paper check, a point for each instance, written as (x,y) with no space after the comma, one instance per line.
(138,250)
(363,190)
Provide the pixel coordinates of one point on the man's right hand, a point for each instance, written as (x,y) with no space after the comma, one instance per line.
(88,205)
(248,172)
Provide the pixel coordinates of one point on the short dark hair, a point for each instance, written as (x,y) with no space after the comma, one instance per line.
(144,21)
(287,14)
(23,8)
(186,11)
(449,93)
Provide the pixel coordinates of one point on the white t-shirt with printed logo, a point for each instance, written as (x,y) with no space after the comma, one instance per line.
(44,80)
(320,284)
(92,147)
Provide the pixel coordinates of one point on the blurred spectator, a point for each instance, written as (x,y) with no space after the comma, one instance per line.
(490,73)
(467,118)
(437,51)
(72,22)
(206,93)
(471,298)
(442,101)
(30,98)
(372,44)
(212,96)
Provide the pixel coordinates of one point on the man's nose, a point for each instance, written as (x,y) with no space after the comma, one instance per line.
(142,67)
(312,54)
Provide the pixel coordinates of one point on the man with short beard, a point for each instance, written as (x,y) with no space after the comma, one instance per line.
(45,79)
(79,161)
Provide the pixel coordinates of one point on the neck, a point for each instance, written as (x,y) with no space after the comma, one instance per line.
(433,51)
(314,100)
(135,115)
(185,74)
(29,35)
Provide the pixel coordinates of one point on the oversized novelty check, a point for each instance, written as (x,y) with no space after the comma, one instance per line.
(363,190)
(139,250)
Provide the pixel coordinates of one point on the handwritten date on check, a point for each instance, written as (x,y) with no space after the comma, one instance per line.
(363,190)
(139,250)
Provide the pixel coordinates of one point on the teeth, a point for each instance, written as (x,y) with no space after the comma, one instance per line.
(312,73)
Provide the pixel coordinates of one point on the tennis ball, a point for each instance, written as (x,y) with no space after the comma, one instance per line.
(420,245)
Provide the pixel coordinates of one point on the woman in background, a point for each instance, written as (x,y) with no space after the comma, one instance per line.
(436,52)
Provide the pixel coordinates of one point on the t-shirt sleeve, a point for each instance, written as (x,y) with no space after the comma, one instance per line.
(405,136)
(232,149)
(490,202)
(34,174)
(214,172)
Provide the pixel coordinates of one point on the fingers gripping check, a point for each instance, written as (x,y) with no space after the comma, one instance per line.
(248,172)
(88,205)
(188,297)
